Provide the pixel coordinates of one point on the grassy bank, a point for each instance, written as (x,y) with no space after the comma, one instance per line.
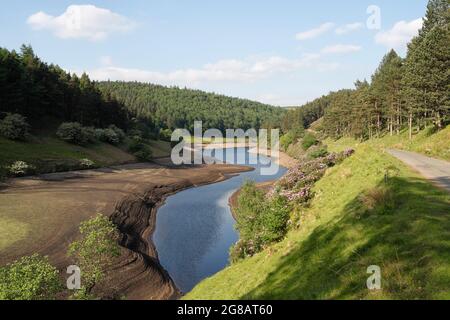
(356,220)
(50,154)
(427,142)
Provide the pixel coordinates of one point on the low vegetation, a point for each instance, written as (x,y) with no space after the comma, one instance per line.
(260,221)
(35,278)
(369,210)
(14,127)
(94,253)
(263,216)
(29,278)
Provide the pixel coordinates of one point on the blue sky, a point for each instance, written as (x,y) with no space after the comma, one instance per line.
(279,52)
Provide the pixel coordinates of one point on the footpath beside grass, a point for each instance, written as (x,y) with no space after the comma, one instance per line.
(427,142)
(406,233)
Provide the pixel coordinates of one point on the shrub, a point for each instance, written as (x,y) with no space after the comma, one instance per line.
(14,127)
(145,153)
(260,221)
(20,168)
(86,163)
(165,135)
(317,152)
(107,135)
(94,252)
(308,141)
(72,132)
(290,138)
(296,185)
(119,133)
(30,278)
(89,134)
(286,140)
(139,149)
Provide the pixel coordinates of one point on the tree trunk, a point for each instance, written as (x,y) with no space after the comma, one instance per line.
(410,125)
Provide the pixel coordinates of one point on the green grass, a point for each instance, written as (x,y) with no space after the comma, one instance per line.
(427,142)
(49,149)
(160,149)
(328,256)
(11,231)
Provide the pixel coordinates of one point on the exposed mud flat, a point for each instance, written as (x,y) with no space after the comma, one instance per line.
(53,206)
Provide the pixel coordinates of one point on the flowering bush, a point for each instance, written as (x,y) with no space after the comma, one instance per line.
(20,168)
(296,185)
(260,221)
(264,217)
(86,163)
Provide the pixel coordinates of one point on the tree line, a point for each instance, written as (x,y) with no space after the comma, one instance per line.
(41,91)
(173,107)
(411,92)
(44,92)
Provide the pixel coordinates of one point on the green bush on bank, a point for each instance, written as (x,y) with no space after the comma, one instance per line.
(94,252)
(75,133)
(14,127)
(29,278)
(260,221)
(309,140)
(140,149)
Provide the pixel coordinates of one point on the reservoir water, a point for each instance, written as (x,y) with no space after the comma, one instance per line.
(195,228)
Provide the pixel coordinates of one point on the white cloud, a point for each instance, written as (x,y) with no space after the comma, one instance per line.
(341,48)
(349,28)
(82,21)
(400,34)
(224,70)
(314,33)
(106,61)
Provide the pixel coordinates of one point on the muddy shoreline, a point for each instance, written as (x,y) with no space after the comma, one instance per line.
(137,235)
(130,195)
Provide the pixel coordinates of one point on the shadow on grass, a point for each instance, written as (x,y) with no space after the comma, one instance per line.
(410,242)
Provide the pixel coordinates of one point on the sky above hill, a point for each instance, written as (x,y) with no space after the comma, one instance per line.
(278,52)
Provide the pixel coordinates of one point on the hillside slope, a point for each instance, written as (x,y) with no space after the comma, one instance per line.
(356,220)
(173,107)
(49,154)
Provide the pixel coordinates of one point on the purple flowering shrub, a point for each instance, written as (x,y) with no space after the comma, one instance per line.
(264,217)
(296,185)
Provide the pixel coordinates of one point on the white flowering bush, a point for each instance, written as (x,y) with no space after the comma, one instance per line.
(87,163)
(20,168)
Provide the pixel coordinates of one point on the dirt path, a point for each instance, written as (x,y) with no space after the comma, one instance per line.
(43,214)
(437,171)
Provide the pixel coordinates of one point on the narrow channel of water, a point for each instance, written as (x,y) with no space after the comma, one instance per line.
(195,228)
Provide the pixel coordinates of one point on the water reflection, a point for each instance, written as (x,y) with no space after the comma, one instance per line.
(195,228)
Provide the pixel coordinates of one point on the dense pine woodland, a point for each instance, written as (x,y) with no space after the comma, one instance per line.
(411,92)
(172,107)
(39,91)
(42,92)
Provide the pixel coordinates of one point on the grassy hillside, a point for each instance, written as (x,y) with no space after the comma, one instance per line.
(356,220)
(49,153)
(427,142)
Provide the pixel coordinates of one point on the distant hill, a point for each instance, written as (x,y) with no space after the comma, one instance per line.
(173,107)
